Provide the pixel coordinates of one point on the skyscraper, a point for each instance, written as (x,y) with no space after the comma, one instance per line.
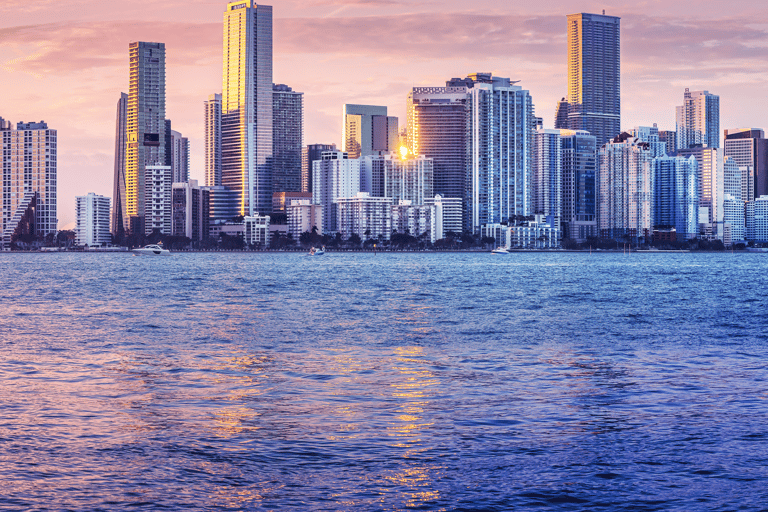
(478,130)
(92,220)
(309,154)
(749,148)
(711,174)
(625,182)
(698,120)
(579,165)
(213,140)
(28,181)
(246,105)
(335,175)
(368,130)
(594,75)
(179,157)
(145,125)
(676,195)
(547,175)
(287,138)
(119,221)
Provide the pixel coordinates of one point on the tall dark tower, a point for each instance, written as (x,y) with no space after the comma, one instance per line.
(594,75)
(119,222)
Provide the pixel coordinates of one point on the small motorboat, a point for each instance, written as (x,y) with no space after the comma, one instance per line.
(152,250)
(500,250)
(317,252)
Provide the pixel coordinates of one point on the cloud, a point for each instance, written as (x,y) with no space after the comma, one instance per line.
(62,48)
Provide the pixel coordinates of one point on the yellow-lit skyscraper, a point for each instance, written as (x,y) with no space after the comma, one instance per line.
(594,75)
(246,106)
(145,126)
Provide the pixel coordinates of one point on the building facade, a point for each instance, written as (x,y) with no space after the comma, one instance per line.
(179,157)
(212,111)
(366,216)
(256,230)
(749,148)
(287,138)
(757,220)
(594,75)
(281,200)
(448,215)
(191,210)
(698,120)
(309,154)
(676,195)
(398,177)
(119,220)
(579,162)
(246,105)
(417,220)
(29,183)
(734,220)
(368,130)
(145,126)
(548,174)
(303,216)
(711,174)
(92,220)
(625,183)
(158,194)
(335,175)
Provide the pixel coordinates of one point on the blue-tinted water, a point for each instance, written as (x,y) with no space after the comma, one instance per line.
(362,382)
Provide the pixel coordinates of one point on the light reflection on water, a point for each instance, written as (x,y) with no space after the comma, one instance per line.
(396,381)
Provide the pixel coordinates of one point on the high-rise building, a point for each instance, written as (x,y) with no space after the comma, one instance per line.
(158,194)
(579,161)
(447,214)
(179,157)
(757,220)
(478,131)
(561,114)
(309,154)
(698,120)
(676,195)
(145,126)
(335,175)
(223,204)
(303,216)
(92,220)
(213,140)
(417,220)
(287,138)
(625,182)
(594,75)
(548,174)
(246,105)
(280,200)
(650,134)
(365,216)
(392,175)
(120,222)
(368,130)
(734,221)
(191,210)
(669,138)
(749,148)
(28,181)
(711,174)
(438,128)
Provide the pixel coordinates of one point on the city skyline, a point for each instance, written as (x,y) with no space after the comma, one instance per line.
(40,53)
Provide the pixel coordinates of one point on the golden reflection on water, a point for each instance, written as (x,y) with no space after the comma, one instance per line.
(414,390)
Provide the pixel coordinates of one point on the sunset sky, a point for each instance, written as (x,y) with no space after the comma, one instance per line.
(66,62)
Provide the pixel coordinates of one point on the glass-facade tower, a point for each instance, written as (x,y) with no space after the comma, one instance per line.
(119,222)
(145,125)
(594,75)
(246,106)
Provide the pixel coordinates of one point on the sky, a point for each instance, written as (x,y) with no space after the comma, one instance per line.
(66,62)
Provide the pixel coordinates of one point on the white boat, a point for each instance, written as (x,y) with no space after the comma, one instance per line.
(500,250)
(152,250)
(317,252)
